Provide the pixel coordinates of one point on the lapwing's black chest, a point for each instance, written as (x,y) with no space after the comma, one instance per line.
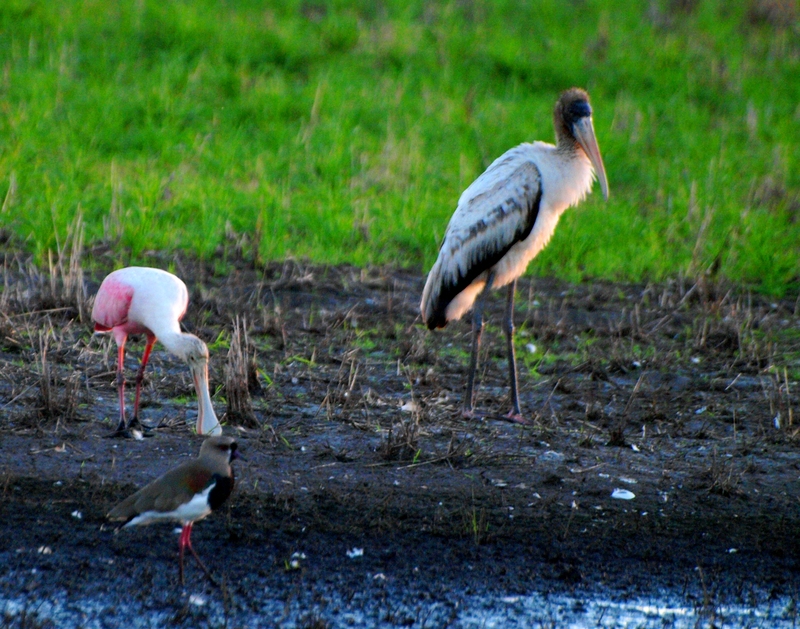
(223,486)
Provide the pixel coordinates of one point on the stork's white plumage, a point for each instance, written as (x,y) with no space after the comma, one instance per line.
(505,218)
(142,300)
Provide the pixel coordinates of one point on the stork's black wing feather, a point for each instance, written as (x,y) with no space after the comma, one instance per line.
(497,211)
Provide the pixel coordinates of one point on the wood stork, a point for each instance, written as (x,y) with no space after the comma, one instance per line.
(504,219)
(142,300)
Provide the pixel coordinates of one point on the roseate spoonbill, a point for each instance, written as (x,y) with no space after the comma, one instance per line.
(504,219)
(142,300)
(187,493)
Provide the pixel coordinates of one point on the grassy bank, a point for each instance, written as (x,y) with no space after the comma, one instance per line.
(345,131)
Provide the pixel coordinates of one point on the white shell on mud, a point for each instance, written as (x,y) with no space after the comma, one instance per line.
(622,494)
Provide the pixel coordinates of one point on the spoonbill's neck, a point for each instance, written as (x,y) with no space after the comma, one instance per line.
(178,343)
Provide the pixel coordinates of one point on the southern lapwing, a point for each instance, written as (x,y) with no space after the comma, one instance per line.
(504,219)
(142,300)
(187,493)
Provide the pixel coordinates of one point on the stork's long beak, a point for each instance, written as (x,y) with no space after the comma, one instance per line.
(207,422)
(584,133)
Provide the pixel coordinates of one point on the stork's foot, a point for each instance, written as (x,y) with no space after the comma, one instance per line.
(511,416)
(517,418)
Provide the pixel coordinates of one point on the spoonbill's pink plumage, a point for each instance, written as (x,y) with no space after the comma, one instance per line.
(504,219)
(142,300)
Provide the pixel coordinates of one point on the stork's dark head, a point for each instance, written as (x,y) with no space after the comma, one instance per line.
(572,106)
(572,118)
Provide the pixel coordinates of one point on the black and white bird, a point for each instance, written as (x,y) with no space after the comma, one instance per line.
(186,493)
(504,219)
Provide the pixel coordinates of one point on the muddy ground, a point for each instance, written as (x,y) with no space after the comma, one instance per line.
(367,500)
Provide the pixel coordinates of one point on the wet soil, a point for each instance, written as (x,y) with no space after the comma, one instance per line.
(657,484)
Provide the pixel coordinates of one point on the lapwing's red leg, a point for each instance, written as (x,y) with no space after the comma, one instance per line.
(185,532)
(197,557)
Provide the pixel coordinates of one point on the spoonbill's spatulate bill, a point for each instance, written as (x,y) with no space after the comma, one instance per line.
(504,219)
(142,300)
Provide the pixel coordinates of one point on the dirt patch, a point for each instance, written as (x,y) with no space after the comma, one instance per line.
(682,395)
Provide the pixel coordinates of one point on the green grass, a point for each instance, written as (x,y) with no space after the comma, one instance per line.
(345,131)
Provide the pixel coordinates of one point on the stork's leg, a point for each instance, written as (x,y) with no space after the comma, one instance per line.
(508,323)
(477,330)
(140,378)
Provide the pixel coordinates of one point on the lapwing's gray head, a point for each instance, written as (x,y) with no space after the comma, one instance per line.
(219,450)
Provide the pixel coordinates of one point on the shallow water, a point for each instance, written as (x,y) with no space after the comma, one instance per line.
(484,612)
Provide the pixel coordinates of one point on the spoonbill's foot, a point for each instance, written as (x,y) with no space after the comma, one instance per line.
(134,430)
(122,432)
(145,429)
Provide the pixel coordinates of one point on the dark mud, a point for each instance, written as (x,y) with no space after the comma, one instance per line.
(366,500)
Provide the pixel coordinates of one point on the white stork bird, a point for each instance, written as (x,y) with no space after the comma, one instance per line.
(504,219)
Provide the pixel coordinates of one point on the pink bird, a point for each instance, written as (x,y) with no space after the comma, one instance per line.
(141,300)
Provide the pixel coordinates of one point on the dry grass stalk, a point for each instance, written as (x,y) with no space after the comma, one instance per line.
(402,441)
(31,290)
(343,397)
(11,194)
(113,221)
(47,403)
(722,477)
(241,375)
(242,246)
(58,396)
(61,286)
